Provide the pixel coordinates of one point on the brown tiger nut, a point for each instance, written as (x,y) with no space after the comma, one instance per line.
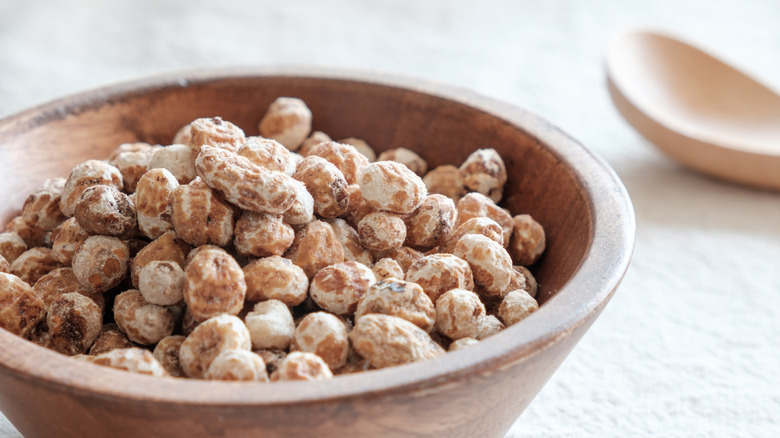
(268,153)
(445,180)
(133,164)
(167,353)
(109,338)
(275,278)
(345,157)
(315,138)
(11,245)
(490,265)
(215,132)
(325,335)
(176,159)
(398,298)
(215,284)
(326,184)
(74,322)
(459,314)
(67,240)
(42,207)
(315,247)
(528,240)
(387,268)
(20,307)
(438,273)
(516,306)
(432,223)
(32,236)
(4,265)
(476,225)
(101,263)
(199,217)
(361,146)
(382,231)
(350,242)
(208,339)
(477,205)
(133,359)
(386,340)
(143,323)
(106,211)
(61,281)
(165,247)
(33,264)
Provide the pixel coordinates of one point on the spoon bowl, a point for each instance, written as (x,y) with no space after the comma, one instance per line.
(696,108)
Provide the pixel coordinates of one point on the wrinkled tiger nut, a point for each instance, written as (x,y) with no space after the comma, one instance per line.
(326,184)
(276,278)
(143,323)
(315,247)
(302,209)
(109,338)
(484,172)
(135,360)
(459,314)
(288,121)
(42,208)
(350,242)
(215,132)
(361,146)
(11,246)
(165,247)
(528,240)
(404,255)
(33,264)
(315,138)
(391,186)
(387,268)
(357,207)
(162,282)
(208,339)
(176,159)
(531,286)
(32,236)
(516,306)
(490,265)
(445,180)
(386,340)
(490,326)
(74,322)
(338,288)
(199,217)
(132,163)
(270,325)
(476,225)
(382,231)
(20,307)
(438,273)
(67,240)
(262,235)
(300,365)
(407,157)
(167,353)
(151,202)
(398,298)
(268,153)
(432,223)
(61,281)
(243,183)
(215,284)
(325,335)
(345,157)
(106,211)
(84,175)
(477,205)
(101,263)
(237,365)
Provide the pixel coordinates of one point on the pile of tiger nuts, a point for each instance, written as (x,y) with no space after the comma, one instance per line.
(286,256)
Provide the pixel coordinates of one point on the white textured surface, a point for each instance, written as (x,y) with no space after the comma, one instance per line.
(688,346)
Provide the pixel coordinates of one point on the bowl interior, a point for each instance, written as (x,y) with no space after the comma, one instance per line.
(48,141)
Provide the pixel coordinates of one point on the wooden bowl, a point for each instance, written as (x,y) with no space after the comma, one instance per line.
(479,391)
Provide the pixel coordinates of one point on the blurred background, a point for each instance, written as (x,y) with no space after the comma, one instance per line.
(688,346)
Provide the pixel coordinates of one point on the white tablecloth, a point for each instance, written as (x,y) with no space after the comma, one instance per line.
(690,344)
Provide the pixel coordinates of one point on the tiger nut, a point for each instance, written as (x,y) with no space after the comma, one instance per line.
(87,174)
(490,264)
(445,180)
(11,245)
(432,223)
(528,240)
(237,365)
(391,186)
(101,263)
(438,273)
(143,323)
(167,353)
(42,207)
(325,335)
(270,325)
(484,172)
(315,247)
(262,235)
(398,298)
(326,184)
(407,157)
(20,307)
(74,322)
(151,202)
(516,306)
(276,278)
(176,159)
(107,211)
(477,205)
(300,365)
(459,314)
(268,153)
(338,288)
(215,132)
(215,284)
(162,282)
(133,359)
(199,216)
(345,157)
(288,121)
(33,264)
(208,340)
(386,340)
(67,240)
(382,231)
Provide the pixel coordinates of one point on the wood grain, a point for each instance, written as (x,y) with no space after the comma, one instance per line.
(476,392)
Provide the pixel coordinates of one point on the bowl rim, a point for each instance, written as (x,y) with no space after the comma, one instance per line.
(585,294)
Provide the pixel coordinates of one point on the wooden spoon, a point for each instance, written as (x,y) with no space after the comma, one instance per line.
(696,108)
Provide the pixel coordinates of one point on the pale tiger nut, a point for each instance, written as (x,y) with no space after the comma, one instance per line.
(387,268)
(162,282)
(270,325)
(33,264)
(484,172)
(345,157)
(326,184)
(143,323)
(516,306)
(277,278)
(183,135)
(459,314)
(11,245)
(67,240)
(476,225)
(133,164)
(407,157)
(243,183)
(262,235)
(462,343)
(208,340)
(300,365)
(361,146)
(165,247)
(325,335)
(338,288)
(445,180)
(438,273)
(432,223)
(32,236)
(531,286)
(87,174)
(398,298)
(391,186)
(382,231)
(315,247)
(477,205)
(237,365)
(133,359)
(176,159)
(490,265)
(288,121)
(386,340)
